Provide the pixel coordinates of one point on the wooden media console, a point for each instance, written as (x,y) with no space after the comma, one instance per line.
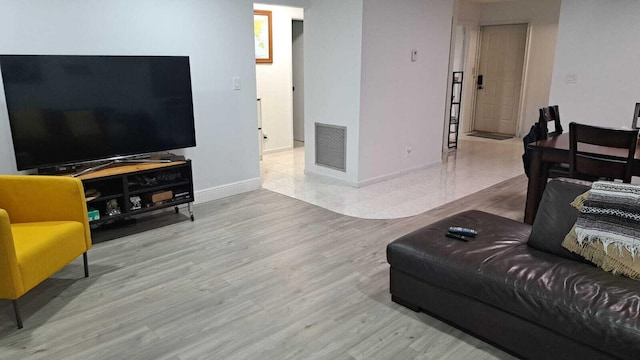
(125,190)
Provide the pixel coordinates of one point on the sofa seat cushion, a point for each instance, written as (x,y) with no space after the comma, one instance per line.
(428,254)
(575,299)
(63,241)
(497,268)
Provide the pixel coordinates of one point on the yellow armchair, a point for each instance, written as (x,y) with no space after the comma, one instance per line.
(43,227)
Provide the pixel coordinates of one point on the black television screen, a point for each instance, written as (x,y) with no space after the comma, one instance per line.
(71,109)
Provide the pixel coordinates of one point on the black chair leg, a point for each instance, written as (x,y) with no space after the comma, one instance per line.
(17,311)
(86,265)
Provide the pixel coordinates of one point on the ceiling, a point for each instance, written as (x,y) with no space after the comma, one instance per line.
(488,1)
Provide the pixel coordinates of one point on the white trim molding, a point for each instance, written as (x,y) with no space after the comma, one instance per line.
(222,191)
(334,179)
(373,180)
(396,174)
(277,150)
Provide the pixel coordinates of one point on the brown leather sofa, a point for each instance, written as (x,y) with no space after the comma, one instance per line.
(515,286)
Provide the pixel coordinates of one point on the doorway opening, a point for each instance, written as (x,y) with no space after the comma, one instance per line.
(277,78)
(280,93)
(493,61)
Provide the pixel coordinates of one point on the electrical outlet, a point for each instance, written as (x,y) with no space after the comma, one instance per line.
(571,78)
(407,150)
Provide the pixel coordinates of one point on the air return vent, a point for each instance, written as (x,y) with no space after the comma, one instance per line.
(331,146)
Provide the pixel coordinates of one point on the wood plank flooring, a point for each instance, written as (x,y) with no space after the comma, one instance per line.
(256,276)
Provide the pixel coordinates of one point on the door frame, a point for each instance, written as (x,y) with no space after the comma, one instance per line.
(472,38)
(293,108)
(525,73)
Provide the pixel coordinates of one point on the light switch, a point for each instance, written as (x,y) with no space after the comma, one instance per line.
(236,83)
(571,78)
(414,55)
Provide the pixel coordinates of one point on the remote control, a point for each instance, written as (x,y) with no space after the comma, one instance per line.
(456,236)
(463,231)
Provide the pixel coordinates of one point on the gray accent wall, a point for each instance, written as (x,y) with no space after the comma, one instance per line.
(212,33)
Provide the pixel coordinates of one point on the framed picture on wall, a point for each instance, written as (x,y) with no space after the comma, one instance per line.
(262,36)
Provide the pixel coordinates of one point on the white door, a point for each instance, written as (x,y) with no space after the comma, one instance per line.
(501,63)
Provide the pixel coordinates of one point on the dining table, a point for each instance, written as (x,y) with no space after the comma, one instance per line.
(555,150)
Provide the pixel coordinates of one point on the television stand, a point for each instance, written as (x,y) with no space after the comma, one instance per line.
(118,224)
(126,189)
(120,161)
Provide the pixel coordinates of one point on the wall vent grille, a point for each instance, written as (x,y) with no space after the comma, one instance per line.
(331,146)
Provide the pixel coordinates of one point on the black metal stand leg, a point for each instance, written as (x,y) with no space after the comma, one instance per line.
(17,311)
(86,265)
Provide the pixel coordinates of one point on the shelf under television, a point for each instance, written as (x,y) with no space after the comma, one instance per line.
(116,183)
(105,198)
(161,206)
(164,205)
(139,191)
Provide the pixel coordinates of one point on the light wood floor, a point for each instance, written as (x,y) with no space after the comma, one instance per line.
(256,276)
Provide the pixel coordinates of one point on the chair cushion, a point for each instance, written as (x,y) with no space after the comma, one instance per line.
(556,216)
(43,248)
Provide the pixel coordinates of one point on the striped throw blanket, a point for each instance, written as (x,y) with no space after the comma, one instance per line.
(611,215)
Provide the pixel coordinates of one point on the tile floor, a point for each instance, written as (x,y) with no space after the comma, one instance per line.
(477,164)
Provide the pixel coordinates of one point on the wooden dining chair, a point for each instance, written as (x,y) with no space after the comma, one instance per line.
(636,115)
(550,114)
(605,163)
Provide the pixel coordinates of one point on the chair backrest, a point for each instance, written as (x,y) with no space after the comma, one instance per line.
(601,164)
(636,115)
(534,135)
(550,114)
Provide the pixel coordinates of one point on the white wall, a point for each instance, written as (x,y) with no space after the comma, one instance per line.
(458,49)
(542,15)
(598,42)
(292,3)
(274,81)
(468,11)
(403,102)
(215,34)
(333,45)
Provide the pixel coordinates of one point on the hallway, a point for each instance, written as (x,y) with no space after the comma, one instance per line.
(477,164)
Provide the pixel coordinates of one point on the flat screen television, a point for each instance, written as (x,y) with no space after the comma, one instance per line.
(73,109)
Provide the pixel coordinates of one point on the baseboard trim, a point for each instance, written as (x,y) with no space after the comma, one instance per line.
(396,174)
(222,191)
(277,150)
(337,180)
(376,179)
